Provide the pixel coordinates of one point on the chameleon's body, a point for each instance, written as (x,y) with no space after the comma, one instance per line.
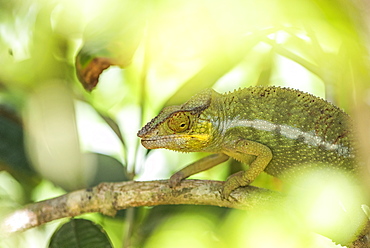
(272,129)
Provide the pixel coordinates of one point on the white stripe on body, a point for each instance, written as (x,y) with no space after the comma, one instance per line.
(289,132)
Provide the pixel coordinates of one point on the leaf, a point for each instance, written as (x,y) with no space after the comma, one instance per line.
(108,169)
(113,125)
(80,233)
(111,39)
(12,151)
(89,69)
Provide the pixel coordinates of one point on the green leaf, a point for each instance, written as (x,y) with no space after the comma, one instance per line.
(12,152)
(108,169)
(80,233)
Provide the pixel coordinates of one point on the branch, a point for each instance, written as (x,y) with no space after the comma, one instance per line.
(107,198)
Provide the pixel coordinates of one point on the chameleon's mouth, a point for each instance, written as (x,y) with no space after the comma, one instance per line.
(183,142)
(168,141)
(150,143)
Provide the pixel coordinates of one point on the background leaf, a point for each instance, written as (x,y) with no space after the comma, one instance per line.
(80,233)
(12,151)
(108,169)
(13,158)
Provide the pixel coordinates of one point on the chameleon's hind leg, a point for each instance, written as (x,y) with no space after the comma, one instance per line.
(241,149)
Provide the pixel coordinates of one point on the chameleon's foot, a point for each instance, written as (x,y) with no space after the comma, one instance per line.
(234,181)
(175,179)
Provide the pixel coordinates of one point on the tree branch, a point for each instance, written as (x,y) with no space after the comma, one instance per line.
(107,198)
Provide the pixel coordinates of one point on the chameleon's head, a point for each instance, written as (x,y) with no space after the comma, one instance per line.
(180,128)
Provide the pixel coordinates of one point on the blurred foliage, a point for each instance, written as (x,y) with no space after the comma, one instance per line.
(143,55)
(13,156)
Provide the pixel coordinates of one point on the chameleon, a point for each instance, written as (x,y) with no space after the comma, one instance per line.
(270,128)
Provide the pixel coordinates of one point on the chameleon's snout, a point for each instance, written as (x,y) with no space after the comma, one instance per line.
(144,131)
(140,133)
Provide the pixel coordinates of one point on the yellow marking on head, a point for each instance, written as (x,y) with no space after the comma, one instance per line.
(203,137)
(200,137)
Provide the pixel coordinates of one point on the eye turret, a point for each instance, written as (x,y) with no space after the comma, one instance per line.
(179,122)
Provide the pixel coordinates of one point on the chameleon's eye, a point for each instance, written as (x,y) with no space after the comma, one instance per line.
(179,122)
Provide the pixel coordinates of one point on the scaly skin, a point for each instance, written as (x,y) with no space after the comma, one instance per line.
(272,129)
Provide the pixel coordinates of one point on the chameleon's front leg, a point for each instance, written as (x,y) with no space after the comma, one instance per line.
(198,166)
(240,150)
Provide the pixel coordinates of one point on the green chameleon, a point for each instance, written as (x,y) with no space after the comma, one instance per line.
(270,128)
